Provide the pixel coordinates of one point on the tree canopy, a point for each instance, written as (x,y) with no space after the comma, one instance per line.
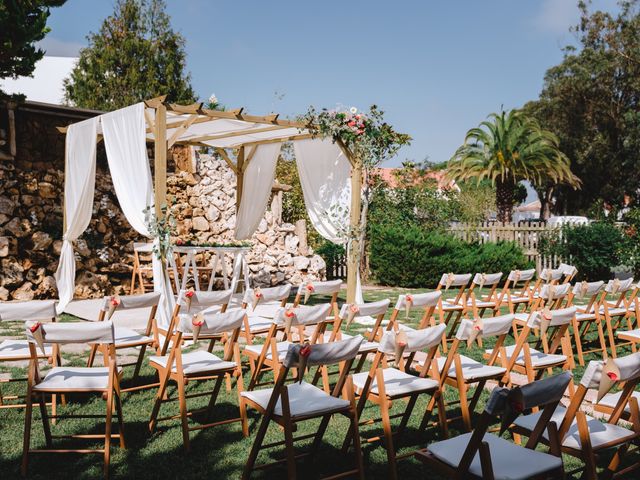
(22,24)
(591,102)
(136,55)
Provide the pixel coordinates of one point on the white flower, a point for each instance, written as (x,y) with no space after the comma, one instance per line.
(353,110)
(213,98)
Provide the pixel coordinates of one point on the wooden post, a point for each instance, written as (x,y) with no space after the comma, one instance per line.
(353,258)
(160,158)
(239,177)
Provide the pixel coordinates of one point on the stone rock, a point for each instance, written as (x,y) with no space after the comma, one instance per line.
(261,279)
(57,247)
(4,246)
(285,261)
(291,243)
(213,214)
(301,263)
(6,205)
(82,248)
(268,238)
(47,190)
(47,288)
(24,292)
(19,228)
(12,273)
(262,226)
(317,264)
(41,240)
(4,294)
(36,275)
(201,224)
(286,227)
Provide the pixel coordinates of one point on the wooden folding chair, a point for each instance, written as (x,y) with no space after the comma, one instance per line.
(200,366)
(428,302)
(461,371)
(587,314)
(271,354)
(307,290)
(545,356)
(262,305)
(585,437)
(287,405)
(456,305)
(489,300)
(480,454)
(18,350)
(103,381)
(141,274)
(126,337)
(569,272)
(551,296)
(517,289)
(190,302)
(382,385)
(622,309)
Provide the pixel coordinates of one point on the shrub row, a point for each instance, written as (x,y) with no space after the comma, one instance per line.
(414,257)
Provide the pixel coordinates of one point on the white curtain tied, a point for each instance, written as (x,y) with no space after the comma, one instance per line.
(325,176)
(80,158)
(256,189)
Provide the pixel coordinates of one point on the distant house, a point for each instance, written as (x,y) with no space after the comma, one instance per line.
(390,177)
(527,211)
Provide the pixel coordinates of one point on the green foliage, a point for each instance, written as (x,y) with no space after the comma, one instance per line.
(135,56)
(413,257)
(477,201)
(508,148)
(332,254)
(22,23)
(594,249)
(590,101)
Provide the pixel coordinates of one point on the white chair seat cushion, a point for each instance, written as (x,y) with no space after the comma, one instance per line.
(522,317)
(616,311)
(611,400)
(199,361)
(538,359)
(126,336)
(510,461)
(520,299)
(471,369)
(61,379)
(304,400)
(448,306)
(635,334)
(365,346)
(396,383)
(259,323)
(581,317)
(600,433)
(14,349)
(482,304)
(282,347)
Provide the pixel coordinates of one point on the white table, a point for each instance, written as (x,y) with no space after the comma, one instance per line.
(239,266)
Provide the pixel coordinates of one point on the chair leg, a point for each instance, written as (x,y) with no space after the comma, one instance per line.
(92,355)
(27,434)
(214,395)
(357,448)
(161,395)
(45,419)
(118,403)
(406,415)
(476,396)
(183,414)
(464,405)
(136,371)
(324,423)
(612,468)
(612,341)
(107,433)
(255,448)
(603,342)
(388,438)
(576,335)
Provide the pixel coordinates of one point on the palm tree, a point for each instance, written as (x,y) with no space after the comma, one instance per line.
(507,148)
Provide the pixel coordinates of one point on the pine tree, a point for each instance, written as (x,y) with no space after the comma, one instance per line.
(135,56)
(22,23)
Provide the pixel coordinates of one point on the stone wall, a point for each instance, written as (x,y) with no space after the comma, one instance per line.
(31,195)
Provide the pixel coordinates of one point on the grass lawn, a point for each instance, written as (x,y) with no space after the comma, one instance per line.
(219,452)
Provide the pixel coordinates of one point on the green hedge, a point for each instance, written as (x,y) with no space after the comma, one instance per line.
(414,257)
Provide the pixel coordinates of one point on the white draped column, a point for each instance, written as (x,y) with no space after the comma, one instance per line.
(79,186)
(325,174)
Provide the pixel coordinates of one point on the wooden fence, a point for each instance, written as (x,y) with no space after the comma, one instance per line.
(525,234)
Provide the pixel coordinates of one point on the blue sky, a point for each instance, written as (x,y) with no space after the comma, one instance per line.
(437,68)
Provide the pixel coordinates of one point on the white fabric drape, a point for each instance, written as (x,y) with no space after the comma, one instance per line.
(80,158)
(124,140)
(325,176)
(256,189)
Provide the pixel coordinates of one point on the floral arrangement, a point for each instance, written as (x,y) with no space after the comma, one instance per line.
(161,228)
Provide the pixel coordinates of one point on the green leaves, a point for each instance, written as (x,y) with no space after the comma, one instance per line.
(135,56)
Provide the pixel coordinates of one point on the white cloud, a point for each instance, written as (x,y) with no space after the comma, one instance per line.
(556,16)
(54,47)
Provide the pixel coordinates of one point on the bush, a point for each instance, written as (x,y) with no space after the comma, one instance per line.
(413,257)
(594,249)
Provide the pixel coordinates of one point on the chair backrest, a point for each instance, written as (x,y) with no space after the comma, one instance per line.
(417,340)
(29,310)
(487,327)
(617,286)
(419,300)
(367,309)
(486,279)
(559,317)
(587,289)
(202,299)
(552,292)
(73,332)
(516,276)
(271,294)
(551,275)
(569,271)
(126,302)
(454,280)
(325,353)
(321,288)
(304,315)
(215,323)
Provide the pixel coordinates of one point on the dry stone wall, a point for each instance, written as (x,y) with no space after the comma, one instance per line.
(31,195)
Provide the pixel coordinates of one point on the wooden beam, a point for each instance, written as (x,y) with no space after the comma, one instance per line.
(280,187)
(149,120)
(160,159)
(205,138)
(239,178)
(353,255)
(222,152)
(252,152)
(181,129)
(193,108)
(155,102)
(347,152)
(302,136)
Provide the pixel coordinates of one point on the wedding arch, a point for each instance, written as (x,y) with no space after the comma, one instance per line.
(249,144)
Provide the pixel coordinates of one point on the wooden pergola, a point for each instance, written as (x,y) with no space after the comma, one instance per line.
(234,136)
